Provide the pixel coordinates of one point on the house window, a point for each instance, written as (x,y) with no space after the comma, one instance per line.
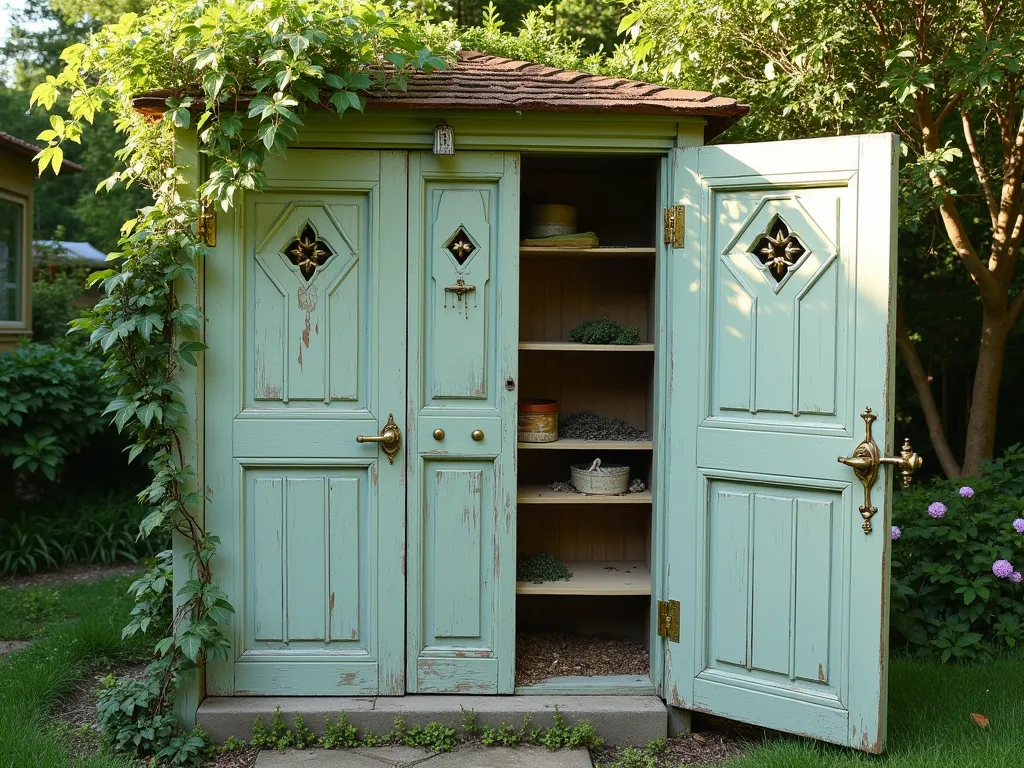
(12,217)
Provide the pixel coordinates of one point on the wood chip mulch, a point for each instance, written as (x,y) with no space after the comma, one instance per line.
(239,758)
(543,655)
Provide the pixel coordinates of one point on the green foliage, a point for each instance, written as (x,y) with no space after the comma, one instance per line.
(339,735)
(648,756)
(51,403)
(278,737)
(604,331)
(468,722)
(947,602)
(293,55)
(561,735)
(538,39)
(53,307)
(72,641)
(304,737)
(103,530)
(130,716)
(541,567)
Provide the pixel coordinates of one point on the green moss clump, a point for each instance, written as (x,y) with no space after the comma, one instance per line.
(540,568)
(604,331)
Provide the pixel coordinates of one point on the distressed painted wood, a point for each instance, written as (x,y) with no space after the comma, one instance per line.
(783,597)
(460,572)
(579,685)
(309,356)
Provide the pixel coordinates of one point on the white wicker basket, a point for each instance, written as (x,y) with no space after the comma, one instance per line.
(596,480)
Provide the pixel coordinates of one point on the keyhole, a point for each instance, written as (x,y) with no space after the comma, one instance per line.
(510,384)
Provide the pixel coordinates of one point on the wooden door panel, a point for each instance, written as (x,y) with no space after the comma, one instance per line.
(311,356)
(312,536)
(782,312)
(308,342)
(460,571)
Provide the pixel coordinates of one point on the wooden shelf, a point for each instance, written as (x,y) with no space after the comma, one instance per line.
(589,445)
(541,494)
(577,685)
(595,578)
(580,253)
(575,346)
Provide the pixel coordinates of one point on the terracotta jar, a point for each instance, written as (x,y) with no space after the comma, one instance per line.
(538,421)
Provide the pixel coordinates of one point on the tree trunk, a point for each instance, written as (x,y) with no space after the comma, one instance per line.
(932,417)
(981,426)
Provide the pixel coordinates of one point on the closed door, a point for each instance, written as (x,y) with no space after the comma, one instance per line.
(307,316)
(782,315)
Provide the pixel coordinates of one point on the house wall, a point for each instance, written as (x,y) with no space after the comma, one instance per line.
(17,181)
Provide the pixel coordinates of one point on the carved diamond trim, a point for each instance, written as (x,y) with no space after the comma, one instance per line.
(779,251)
(307,251)
(461,246)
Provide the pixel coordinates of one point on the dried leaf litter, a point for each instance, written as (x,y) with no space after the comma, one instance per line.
(543,655)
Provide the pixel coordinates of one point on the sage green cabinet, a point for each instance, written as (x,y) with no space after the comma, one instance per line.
(358,435)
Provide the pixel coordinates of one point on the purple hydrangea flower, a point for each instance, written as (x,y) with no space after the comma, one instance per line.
(896,533)
(966,492)
(1002,569)
(1015,577)
(937,509)
(1018,525)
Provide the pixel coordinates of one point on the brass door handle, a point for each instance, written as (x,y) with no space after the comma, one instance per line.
(390,439)
(866,460)
(477,434)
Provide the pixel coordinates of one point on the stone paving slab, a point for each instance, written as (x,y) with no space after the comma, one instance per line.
(469,756)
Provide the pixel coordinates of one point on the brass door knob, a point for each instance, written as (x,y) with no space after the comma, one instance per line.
(866,460)
(477,434)
(390,439)
(439,434)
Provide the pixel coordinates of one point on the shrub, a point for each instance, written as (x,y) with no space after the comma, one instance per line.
(51,402)
(956,562)
(54,305)
(103,530)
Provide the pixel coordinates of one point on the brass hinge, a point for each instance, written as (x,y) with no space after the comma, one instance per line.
(206,225)
(675,223)
(668,619)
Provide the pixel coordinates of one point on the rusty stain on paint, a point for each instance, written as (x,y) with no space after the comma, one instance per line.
(821,674)
(316,329)
(332,602)
(305,332)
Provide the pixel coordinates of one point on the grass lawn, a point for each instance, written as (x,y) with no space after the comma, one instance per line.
(930,724)
(75,628)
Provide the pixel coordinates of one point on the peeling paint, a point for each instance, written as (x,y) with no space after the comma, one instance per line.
(821,674)
(348,678)
(300,358)
(332,602)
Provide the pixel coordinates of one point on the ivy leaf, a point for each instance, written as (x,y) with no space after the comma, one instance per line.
(148,412)
(190,645)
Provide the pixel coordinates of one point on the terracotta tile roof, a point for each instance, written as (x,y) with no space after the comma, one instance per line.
(480,81)
(27,149)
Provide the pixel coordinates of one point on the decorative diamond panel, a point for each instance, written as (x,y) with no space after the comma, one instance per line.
(307,251)
(779,250)
(461,246)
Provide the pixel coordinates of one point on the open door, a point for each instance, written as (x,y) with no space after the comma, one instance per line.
(781,334)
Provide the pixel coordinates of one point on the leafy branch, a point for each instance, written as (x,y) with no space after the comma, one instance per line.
(243,76)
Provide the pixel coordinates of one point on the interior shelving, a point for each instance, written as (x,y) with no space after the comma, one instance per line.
(605,541)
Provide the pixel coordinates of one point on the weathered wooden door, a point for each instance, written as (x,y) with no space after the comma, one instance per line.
(463,335)
(781,333)
(306,299)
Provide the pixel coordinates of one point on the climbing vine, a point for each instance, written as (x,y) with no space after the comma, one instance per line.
(242,75)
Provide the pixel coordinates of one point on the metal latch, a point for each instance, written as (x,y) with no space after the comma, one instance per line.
(668,619)
(675,224)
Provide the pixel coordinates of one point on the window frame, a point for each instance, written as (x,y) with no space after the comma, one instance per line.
(24,324)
